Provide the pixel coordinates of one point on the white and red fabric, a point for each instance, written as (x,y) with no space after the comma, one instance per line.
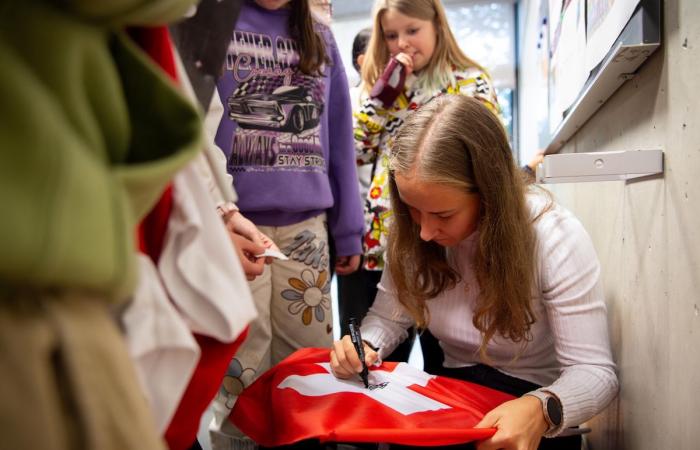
(161,345)
(301,399)
(195,308)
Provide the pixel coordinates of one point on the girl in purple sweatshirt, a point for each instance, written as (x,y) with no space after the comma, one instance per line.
(288,138)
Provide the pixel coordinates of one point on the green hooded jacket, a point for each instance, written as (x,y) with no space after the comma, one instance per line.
(90,133)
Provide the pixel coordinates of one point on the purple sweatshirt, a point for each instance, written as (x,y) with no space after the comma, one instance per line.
(287,136)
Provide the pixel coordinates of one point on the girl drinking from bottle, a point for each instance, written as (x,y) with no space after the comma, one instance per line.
(416,34)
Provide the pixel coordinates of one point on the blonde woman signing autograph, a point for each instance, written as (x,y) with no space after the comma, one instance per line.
(507,280)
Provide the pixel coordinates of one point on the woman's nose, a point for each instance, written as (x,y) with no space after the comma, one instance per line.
(428,230)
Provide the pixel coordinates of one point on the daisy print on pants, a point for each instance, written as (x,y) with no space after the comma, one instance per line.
(309,296)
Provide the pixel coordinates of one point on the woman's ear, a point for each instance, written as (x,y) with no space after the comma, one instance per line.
(360,59)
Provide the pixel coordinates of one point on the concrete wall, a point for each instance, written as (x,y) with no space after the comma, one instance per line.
(647,235)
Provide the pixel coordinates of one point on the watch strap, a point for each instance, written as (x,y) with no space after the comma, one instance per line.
(554,418)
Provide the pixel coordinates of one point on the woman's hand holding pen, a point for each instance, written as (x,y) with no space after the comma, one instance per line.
(345,362)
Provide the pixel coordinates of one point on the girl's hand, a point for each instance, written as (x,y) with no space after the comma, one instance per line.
(520,425)
(345,363)
(267,243)
(246,249)
(345,265)
(406,60)
(236,223)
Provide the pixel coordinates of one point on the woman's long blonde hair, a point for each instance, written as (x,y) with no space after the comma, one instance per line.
(456,141)
(445,58)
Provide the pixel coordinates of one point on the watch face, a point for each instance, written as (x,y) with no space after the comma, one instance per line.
(554,411)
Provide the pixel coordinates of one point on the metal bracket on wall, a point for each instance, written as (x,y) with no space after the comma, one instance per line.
(600,166)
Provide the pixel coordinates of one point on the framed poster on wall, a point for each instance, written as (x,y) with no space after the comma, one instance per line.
(605,20)
(619,34)
(567,70)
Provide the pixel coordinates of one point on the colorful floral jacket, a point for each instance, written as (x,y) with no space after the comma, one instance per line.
(375,128)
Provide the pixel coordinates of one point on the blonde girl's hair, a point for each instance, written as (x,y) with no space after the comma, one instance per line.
(312,49)
(447,54)
(454,140)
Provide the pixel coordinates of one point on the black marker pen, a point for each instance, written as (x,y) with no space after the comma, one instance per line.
(356,338)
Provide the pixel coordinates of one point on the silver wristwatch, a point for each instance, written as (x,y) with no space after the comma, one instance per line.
(551,407)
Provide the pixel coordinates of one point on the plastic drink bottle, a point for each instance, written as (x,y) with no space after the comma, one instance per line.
(390,83)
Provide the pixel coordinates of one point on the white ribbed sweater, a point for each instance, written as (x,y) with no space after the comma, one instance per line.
(569,354)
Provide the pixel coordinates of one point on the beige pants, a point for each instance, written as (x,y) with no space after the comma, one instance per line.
(294,311)
(67,380)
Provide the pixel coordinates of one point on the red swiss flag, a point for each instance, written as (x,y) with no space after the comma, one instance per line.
(301,399)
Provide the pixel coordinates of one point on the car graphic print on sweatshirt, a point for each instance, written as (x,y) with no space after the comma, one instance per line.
(287,108)
(277,109)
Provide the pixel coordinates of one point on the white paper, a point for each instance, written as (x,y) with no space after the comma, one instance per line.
(273,254)
(606,20)
(568,72)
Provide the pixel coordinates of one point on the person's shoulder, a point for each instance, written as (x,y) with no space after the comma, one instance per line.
(563,246)
(477,82)
(470,72)
(358,95)
(326,34)
(256,19)
(551,221)
(323,29)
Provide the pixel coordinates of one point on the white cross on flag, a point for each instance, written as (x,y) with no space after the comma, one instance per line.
(301,399)
(388,388)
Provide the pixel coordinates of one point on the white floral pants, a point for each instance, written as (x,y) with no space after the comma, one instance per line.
(294,309)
